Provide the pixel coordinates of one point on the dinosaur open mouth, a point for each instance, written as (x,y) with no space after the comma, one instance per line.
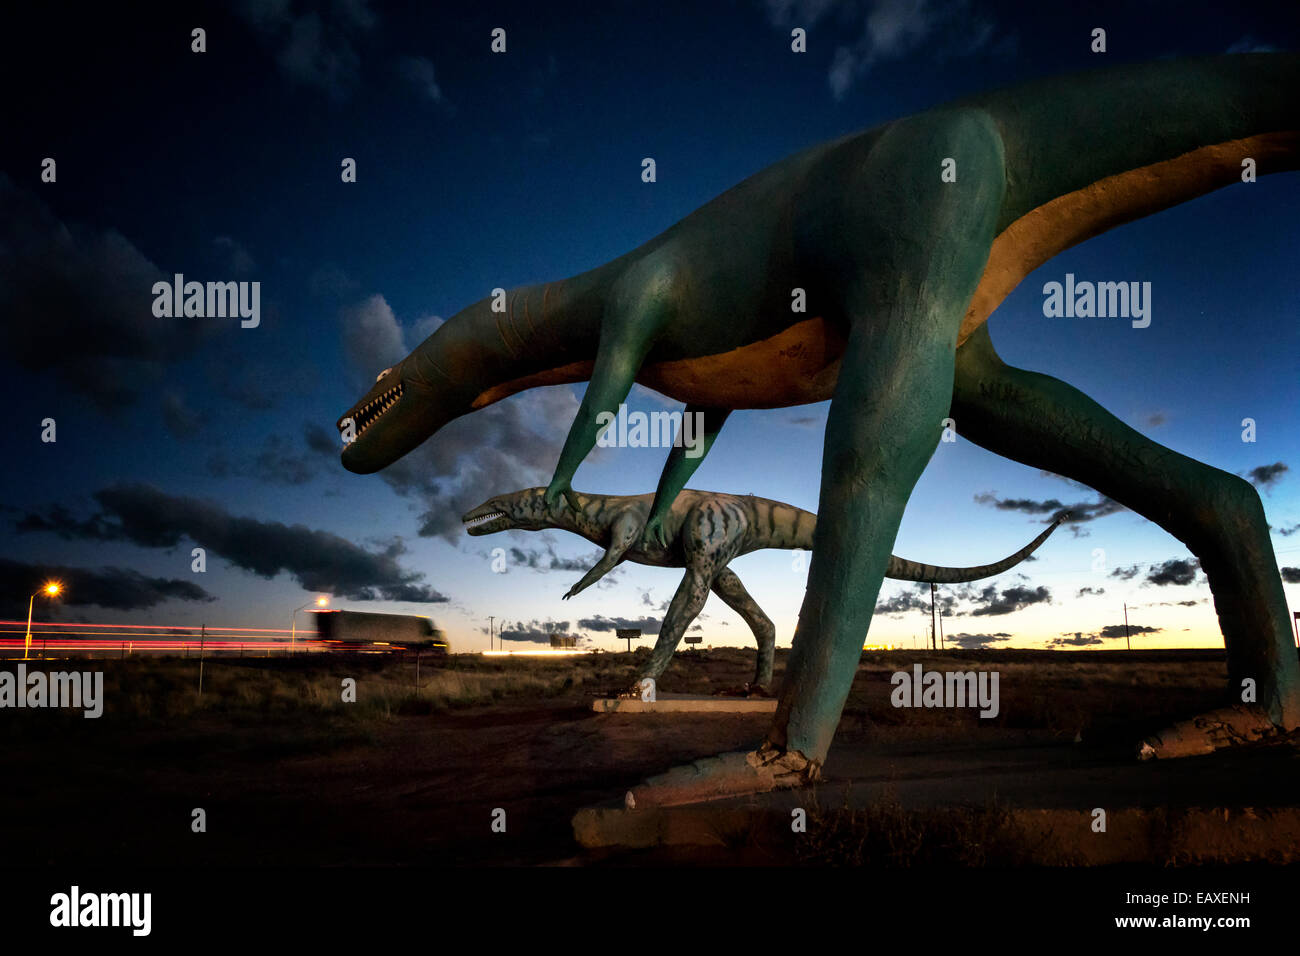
(485,519)
(370,413)
(480,520)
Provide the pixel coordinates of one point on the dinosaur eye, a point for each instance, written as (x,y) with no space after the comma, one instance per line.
(382,374)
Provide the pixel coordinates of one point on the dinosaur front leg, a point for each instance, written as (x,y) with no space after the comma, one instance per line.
(1043,422)
(925,246)
(681,464)
(622,532)
(728,587)
(640,306)
(910,252)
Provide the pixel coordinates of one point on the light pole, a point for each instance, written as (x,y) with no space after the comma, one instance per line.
(293,627)
(491,619)
(50,588)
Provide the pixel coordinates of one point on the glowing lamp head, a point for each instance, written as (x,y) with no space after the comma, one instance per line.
(322,601)
(53,588)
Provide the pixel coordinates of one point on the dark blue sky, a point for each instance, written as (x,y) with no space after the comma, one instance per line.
(478,170)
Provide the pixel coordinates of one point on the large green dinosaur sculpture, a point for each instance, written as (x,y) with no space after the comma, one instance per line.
(900,270)
(704,532)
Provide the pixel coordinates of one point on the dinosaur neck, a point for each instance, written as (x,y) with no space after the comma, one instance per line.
(538,335)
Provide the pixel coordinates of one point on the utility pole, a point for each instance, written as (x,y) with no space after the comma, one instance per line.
(491,619)
(933,637)
(941,643)
(1126,639)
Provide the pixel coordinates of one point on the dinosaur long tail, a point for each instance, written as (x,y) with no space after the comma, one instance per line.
(900,569)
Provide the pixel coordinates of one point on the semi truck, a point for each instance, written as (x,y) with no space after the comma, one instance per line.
(367,631)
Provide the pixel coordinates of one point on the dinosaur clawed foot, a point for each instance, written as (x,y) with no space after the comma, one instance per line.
(655,533)
(726,775)
(558,490)
(1208,732)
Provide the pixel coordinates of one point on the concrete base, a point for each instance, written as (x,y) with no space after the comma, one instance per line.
(686,703)
(1040,837)
(989,797)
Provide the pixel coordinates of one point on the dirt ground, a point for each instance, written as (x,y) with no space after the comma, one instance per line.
(288,784)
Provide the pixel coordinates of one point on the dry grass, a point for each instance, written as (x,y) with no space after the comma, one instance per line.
(887,834)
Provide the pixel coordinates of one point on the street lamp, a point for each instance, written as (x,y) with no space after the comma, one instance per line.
(293,635)
(50,589)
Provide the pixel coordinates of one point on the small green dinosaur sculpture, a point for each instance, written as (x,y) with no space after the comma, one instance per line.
(902,240)
(705,531)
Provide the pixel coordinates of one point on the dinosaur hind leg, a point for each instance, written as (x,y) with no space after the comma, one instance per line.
(684,608)
(728,587)
(1040,421)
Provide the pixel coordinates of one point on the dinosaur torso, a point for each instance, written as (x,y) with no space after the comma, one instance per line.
(699,522)
(733,340)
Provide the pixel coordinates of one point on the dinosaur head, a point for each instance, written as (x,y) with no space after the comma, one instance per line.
(517,511)
(439,381)
(474,359)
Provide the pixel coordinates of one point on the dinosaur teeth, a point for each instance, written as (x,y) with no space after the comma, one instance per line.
(484,519)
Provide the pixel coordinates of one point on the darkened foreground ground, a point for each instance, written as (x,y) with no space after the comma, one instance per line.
(289,774)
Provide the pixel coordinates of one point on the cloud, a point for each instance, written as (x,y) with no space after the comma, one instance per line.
(912,600)
(1078,640)
(1291,575)
(1125,574)
(1176,571)
(648,625)
(1248,44)
(535,632)
(976,640)
(118,589)
(1156,419)
(277,462)
(894,28)
(512,444)
(372,339)
(1090,592)
(318,560)
(548,560)
(797,13)
(1119,630)
(418,71)
(314,48)
(1079,512)
(78,304)
(1266,476)
(321,440)
(1010,600)
(806,421)
(1287,532)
